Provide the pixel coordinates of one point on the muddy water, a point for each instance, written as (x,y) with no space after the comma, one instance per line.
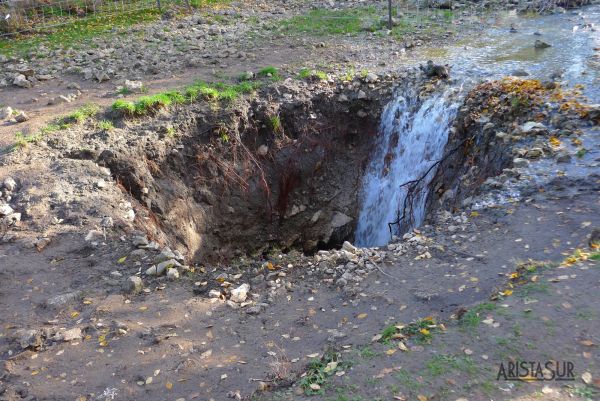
(412,138)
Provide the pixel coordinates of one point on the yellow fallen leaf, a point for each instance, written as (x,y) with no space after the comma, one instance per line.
(402,346)
(362,316)
(425,332)
(143,308)
(35,372)
(169,385)
(474,214)
(390,351)
(507,293)
(554,141)
(421,397)
(74,314)
(122,260)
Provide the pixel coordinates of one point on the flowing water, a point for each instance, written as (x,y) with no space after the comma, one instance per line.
(410,143)
(412,136)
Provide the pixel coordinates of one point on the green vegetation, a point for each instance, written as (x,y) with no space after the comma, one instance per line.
(420,330)
(348,75)
(408,381)
(22,141)
(441,364)
(275,124)
(270,72)
(319,370)
(533,288)
(307,73)
(106,125)
(436,23)
(79,116)
(366,352)
(124,91)
(321,22)
(199,90)
(472,318)
(586,392)
(77,32)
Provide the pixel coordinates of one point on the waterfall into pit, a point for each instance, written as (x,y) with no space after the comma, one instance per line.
(412,137)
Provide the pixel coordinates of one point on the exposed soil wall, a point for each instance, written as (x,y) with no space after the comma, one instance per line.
(280,170)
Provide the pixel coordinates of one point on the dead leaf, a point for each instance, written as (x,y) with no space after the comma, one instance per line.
(390,351)
(362,316)
(376,338)
(421,397)
(586,377)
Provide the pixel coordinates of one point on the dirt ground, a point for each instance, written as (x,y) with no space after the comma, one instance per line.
(169,343)
(513,282)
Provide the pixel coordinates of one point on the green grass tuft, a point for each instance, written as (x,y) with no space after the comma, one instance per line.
(106,125)
(270,72)
(275,124)
(307,73)
(81,114)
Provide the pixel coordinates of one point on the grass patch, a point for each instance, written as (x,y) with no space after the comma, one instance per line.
(319,370)
(270,72)
(76,33)
(22,141)
(435,23)
(275,124)
(106,125)
(408,381)
(307,73)
(366,352)
(420,330)
(533,288)
(199,90)
(472,318)
(321,22)
(441,364)
(79,116)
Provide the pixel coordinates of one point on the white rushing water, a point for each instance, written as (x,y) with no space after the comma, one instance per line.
(410,141)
